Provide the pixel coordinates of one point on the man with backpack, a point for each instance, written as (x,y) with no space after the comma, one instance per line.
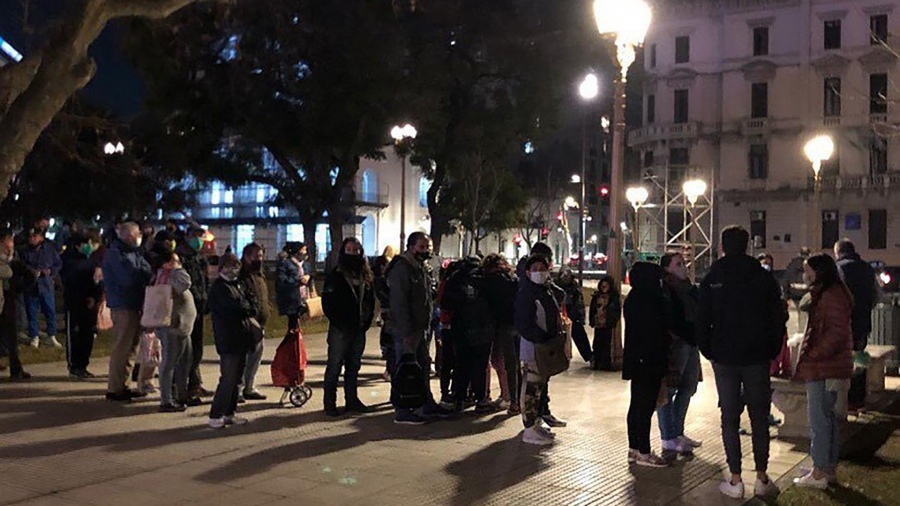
(411,303)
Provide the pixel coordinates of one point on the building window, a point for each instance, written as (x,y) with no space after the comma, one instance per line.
(758,229)
(273,212)
(323,242)
(369,235)
(832,96)
(759,100)
(758,161)
(833,34)
(761,41)
(215,213)
(295,233)
(651,109)
(215,194)
(242,237)
(229,213)
(878,156)
(652,56)
(878,29)
(830,229)
(679,156)
(681,106)
(877,229)
(261,194)
(682,49)
(229,196)
(878,94)
(648,159)
(424,186)
(260,211)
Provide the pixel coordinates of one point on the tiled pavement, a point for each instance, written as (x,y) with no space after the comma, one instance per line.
(62,444)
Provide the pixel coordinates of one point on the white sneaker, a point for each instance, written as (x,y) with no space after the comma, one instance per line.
(733,491)
(689,442)
(235,420)
(217,423)
(533,436)
(632,455)
(808,481)
(51,341)
(767,489)
(544,431)
(34,342)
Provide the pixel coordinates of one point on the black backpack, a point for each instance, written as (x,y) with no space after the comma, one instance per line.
(473,316)
(408,384)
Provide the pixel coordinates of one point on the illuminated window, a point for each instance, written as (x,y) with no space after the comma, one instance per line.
(242,237)
(424,186)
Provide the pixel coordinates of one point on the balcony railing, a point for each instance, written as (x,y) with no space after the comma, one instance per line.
(652,133)
(831,121)
(878,118)
(864,182)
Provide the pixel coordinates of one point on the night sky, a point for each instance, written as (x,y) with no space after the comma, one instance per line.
(116,86)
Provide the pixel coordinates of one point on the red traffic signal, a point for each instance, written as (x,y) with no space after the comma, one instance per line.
(604,191)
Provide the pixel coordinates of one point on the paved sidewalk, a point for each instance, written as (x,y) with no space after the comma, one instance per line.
(62,444)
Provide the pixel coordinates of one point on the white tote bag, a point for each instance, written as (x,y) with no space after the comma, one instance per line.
(158,303)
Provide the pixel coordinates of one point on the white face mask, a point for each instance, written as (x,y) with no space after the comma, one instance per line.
(138,242)
(767,267)
(539,277)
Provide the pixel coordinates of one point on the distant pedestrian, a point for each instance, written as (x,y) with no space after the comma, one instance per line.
(859,277)
(825,365)
(232,312)
(43,259)
(645,357)
(254,284)
(292,283)
(740,325)
(348,300)
(82,295)
(604,314)
(125,276)
(574,306)
(14,276)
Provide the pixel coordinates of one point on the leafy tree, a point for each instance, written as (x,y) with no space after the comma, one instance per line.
(34,90)
(310,83)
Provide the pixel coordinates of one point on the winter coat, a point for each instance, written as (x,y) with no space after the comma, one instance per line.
(43,257)
(859,277)
(125,276)
(647,324)
(287,286)
(682,296)
(230,308)
(741,319)
(538,316)
(793,275)
(78,279)
(184,309)
(574,300)
(349,307)
(606,308)
(827,349)
(258,291)
(501,289)
(197,267)
(411,297)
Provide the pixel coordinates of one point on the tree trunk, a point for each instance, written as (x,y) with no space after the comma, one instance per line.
(336,227)
(309,237)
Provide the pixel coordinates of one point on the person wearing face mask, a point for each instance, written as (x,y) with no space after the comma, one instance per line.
(291,282)
(605,313)
(126,274)
(175,366)
(348,300)
(81,294)
(684,357)
(254,283)
(409,321)
(195,264)
(781,365)
(231,309)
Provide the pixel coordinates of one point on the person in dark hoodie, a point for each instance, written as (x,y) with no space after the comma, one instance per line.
(645,356)
(740,324)
(605,313)
(575,311)
(254,283)
(82,295)
(684,358)
(501,287)
(194,262)
(348,300)
(232,311)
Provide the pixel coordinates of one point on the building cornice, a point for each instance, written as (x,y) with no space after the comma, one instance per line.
(877,59)
(759,70)
(680,8)
(681,77)
(831,64)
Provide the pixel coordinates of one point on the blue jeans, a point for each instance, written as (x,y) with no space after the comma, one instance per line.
(43,302)
(671,415)
(825,444)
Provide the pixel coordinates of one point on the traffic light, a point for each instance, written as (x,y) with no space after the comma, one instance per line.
(603,191)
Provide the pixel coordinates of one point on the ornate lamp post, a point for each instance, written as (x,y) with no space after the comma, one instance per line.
(402,137)
(817,150)
(627,22)
(637,196)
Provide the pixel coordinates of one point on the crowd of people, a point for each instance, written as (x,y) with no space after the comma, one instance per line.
(486,316)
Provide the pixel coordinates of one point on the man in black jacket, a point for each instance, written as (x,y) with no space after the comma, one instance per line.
(859,277)
(82,295)
(740,326)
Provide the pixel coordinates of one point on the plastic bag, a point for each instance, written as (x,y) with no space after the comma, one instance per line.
(150,354)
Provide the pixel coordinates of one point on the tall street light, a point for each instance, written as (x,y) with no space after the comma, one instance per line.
(403,137)
(693,189)
(817,150)
(627,21)
(588,89)
(637,196)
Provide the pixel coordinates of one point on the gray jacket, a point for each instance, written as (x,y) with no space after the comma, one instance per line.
(184,310)
(411,302)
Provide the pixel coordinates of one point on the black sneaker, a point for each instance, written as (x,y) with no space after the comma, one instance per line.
(172,408)
(332,412)
(119,396)
(485,407)
(136,394)
(19,376)
(202,392)
(358,407)
(191,401)
(254,395)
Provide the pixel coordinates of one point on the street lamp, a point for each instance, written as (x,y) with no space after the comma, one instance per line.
(627,21)
(637,195)
(693,189)
(113,149)
(402,137)
(817,150)
(588,89)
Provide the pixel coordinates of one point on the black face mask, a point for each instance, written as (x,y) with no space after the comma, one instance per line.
(423,257)
(353,262)
(256,266)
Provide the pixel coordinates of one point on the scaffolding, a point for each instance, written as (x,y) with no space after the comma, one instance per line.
(677,224)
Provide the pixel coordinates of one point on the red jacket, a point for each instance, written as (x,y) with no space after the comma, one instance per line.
(827,349)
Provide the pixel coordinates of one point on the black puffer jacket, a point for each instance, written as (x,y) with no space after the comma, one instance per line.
(741,319)
(230,307)
(346,308)
(78,280)
(860,279)
(647,324)
(500,289)
(196,266)
(526,316)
